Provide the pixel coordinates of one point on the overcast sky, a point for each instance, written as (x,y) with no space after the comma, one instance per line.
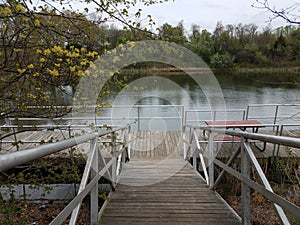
(206,13)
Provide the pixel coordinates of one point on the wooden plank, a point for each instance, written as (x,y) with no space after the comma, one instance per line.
(182,198)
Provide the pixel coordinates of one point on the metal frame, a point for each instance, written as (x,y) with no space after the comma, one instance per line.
(95,167)
(138,118)
(213,113)
(247,158)
(276,114)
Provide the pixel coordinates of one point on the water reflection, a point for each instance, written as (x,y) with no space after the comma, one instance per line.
(239,90)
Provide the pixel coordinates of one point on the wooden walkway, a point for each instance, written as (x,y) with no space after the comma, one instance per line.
(165,192)
(146,144)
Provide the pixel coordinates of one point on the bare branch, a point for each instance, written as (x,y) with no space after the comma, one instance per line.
(289,14)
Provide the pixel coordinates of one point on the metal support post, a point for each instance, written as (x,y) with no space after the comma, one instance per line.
(114,157)
(94,191)
(246,195)
(211,171)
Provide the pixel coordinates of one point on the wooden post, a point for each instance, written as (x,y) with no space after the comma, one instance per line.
(246,195)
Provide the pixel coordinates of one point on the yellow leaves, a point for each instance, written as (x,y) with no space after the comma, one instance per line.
(30,95)
(20,8)
(73,54)
(37,23)
(53,72)
(131,43)
(21,71)
(116,59)
(47,51)
(92,54)
(38,51)
(80,73)
(106,44)
(6,11)
(42,60)
(58,50)
(83,63)
(57,64)
(1,54)
(17,50)
(30,66)
(25,20)
(72,68)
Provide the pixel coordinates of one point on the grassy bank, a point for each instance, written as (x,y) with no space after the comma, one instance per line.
(173,70)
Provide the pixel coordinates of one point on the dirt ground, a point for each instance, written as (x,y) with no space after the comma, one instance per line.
(262,212)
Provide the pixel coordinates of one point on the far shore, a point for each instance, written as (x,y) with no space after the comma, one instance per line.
(174,70)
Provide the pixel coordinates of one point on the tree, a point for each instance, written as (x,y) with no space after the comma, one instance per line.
(201,43)
(47,46)
(173,34)
(290,14)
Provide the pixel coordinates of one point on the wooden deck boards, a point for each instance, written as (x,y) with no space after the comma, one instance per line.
(150,192)
(146,144)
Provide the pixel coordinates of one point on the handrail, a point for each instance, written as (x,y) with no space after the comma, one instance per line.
(95,161)
(287,141)
(213,113)
(138,116)
(276,113)
(11,160)
(247,157)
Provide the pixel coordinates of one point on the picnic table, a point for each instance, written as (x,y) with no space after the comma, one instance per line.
(235,124)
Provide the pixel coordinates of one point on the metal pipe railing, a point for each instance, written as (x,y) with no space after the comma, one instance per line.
(275,116)
(14,159)
(91,170)
(287,141)
(247,158)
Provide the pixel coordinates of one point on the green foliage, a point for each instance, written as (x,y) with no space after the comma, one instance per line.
(8,213)
(222,61)
(238,45)
(48,170)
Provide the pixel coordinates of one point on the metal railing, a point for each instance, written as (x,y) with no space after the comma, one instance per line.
(274,113)
(141,114)
(117,115)
(199,116)
(95,168)
(208,161)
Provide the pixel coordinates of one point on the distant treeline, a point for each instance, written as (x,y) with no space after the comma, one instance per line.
(227,46)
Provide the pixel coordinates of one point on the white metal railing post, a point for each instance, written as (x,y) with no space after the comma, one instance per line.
(94,191)
(139,119)
(245,189)
(195,159)
(114,157)
(182,116)
(16,140)
(129,142)
(184,143)
(264,180)
(211,171)
(247,112)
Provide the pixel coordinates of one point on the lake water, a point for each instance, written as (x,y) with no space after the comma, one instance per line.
(238,90)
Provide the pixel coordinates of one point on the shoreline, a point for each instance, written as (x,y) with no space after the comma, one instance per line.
(174,70)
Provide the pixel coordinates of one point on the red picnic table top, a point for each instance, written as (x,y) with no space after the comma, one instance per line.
(234,123)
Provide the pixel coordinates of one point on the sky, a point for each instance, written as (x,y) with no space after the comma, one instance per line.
(206,13)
